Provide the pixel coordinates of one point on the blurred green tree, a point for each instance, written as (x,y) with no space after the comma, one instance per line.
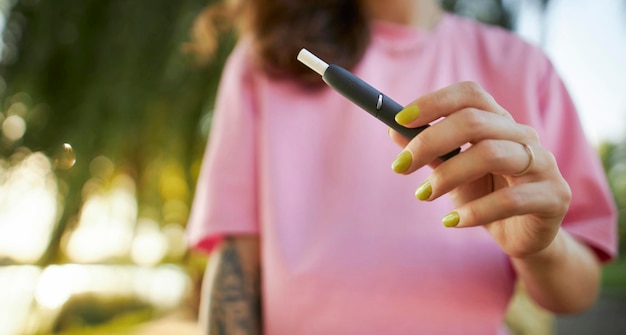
(109,78)
(613,157)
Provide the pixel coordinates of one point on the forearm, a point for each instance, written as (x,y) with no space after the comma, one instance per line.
(564,277)
(232,290)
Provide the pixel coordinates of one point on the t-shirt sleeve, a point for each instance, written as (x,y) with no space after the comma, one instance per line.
(226,193)
(592,215)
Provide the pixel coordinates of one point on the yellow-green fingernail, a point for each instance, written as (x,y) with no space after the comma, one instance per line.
(407,115)
(424,191)
(451,220)
(402,162)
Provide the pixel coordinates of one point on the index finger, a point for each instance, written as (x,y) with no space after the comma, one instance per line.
(448,100)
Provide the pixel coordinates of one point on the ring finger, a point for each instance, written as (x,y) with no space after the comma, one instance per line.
(499,157)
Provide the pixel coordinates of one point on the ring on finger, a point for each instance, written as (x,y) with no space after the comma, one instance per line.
(531,160)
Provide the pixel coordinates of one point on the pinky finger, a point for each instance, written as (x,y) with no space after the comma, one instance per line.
(530,198)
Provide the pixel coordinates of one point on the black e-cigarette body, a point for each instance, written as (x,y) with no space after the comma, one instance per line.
(362,94)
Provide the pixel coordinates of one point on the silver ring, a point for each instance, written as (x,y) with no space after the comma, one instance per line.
(531,160)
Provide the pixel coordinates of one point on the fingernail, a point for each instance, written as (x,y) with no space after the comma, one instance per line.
(407,115)
(389,131)
(402,162)
(451,220)
(424,191)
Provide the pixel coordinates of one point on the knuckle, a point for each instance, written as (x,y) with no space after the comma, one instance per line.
(530,132)
(438,98)
(474,90)
(473,118)
(546,161)
(551,158)
(559,202)
(566,196)
(561,193)
(472,87)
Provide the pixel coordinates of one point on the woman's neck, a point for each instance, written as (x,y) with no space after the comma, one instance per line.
(424,14)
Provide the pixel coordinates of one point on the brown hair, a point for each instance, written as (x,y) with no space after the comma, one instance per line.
(335,30)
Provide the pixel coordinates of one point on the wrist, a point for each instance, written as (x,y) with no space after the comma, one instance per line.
(552,274)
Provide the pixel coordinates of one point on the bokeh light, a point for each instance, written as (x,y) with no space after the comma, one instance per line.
(32,296)
(150,245)
(107,219)
(55,286)
(25,185)
(17,286)
(13,127)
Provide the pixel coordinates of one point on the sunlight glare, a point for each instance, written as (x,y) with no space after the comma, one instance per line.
(24,232)
(17,284)
(149,246)
(54,287)
(106,223)
(164,286)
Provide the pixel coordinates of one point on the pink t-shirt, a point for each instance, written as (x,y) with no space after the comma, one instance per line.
(346,247)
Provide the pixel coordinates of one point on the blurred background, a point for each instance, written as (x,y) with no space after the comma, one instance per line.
(103,122)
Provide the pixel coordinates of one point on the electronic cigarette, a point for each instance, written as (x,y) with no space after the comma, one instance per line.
(363,95)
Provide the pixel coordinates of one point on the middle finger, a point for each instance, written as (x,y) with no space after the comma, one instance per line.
(497,157)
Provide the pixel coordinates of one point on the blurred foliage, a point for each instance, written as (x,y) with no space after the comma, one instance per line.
(613,156)
(86,312)
(109,78)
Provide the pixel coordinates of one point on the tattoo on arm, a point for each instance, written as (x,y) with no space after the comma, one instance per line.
(235,306)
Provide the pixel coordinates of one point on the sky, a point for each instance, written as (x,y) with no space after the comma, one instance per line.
(586,40)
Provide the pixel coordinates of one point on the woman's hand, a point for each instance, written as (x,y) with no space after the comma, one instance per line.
(504,180)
